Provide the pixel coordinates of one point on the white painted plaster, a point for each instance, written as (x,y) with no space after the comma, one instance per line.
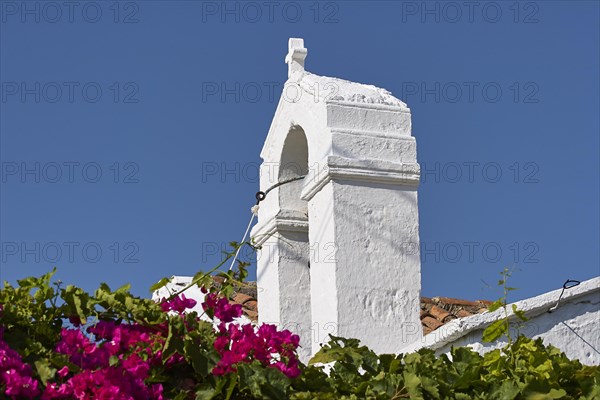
(574,327)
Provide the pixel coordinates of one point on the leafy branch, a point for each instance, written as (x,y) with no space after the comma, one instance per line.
(502,326)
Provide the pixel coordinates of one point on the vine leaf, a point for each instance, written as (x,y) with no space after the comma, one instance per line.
(44,370)
(495,305)
(519,313)
(495,330)
(159,284)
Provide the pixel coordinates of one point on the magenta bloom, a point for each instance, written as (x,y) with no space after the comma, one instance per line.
(243,344)
(221,308)
(226,312)
(115,360)
(15,374)
(98,379)
(178,304)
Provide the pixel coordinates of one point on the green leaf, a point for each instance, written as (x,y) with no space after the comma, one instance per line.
(495,330)
(198,359)
(231,387)
(519,313)
(552,394)
(44,370)
(496,305)
(262,383)
(430,386)
(124,289)
(462,396)
(507,391)
(174,341)
(29,282)
(557,393)
(321,357)
(205,394)
(78,307)
(159,284)
(413,383)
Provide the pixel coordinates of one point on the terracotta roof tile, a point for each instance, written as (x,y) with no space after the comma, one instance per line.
(251,304)
(431,323)
(435,311)
(253,315)
(458,302)
(445,309)
(439,313)
(242,298)
(463,313)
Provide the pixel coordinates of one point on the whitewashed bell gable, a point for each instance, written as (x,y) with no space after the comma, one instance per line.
(338,247)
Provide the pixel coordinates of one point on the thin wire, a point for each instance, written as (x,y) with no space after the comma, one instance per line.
(237,252)
(260,196)
(569,283)
(297,178)
(580,337)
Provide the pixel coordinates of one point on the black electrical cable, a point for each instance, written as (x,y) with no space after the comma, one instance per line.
(569,283)
(260,196)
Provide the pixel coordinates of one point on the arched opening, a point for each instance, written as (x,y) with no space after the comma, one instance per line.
(294,164)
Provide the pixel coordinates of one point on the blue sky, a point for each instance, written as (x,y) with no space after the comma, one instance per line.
(120,164)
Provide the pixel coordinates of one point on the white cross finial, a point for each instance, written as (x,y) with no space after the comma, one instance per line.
(296,55)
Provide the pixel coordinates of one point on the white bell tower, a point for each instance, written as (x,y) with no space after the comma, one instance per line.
(340,247)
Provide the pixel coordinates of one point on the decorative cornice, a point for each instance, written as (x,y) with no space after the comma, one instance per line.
(360,102)
(371,134)
(372,171)
(284,221)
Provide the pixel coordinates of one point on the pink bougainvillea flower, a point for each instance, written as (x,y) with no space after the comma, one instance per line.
(98,377)
(178,304)
(15,375)
(64,371)
(114,359)
(221,308)
(243,344)
(226,311)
